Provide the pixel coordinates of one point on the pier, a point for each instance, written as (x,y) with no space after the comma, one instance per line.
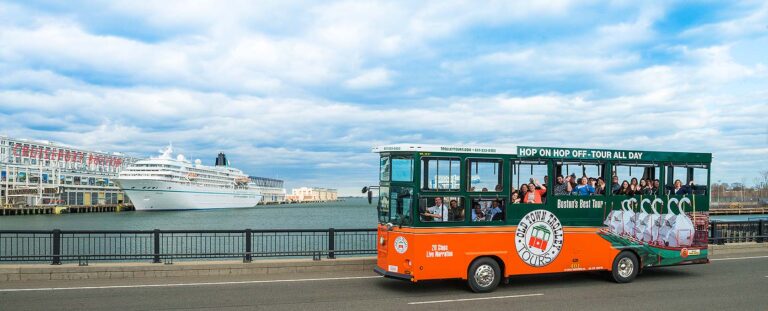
(47,209)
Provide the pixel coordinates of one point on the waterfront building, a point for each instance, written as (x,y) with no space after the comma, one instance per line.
(272,190)
(307,194)
(45,173)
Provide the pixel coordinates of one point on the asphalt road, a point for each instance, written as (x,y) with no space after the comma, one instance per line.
(738,283)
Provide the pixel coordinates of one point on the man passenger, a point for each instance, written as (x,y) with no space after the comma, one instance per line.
(495,211)
(438,212)
(561,186)
(454,212)
(615,184)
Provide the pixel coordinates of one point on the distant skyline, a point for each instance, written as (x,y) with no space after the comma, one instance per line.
(302,90)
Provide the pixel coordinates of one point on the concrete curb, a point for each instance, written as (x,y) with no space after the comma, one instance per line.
(27,272)
(737,248)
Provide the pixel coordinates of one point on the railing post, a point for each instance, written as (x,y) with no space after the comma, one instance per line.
(714,233)
(760,231)
(331,244)
(247,257)
(156,249)
(720,238)
(56,260)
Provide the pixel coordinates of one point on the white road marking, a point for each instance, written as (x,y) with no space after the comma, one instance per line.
(472,299)
(738,258)
(183,284)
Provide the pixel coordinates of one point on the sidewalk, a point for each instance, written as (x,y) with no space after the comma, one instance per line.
(122,270)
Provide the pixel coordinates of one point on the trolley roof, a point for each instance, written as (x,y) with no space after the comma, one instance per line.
(559,153)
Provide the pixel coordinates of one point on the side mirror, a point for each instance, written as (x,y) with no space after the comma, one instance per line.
(365,189)
(370,197)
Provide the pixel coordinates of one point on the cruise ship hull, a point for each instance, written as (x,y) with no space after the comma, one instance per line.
(155,195)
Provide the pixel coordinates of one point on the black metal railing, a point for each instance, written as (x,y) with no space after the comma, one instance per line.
(721,232)
(59,246)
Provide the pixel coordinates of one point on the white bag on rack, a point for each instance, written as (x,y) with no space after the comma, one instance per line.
(627,217)
(641,220)
(667,223)
(613,221)
(682,228)
(651,232)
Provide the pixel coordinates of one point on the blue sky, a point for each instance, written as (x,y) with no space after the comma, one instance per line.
(302,90)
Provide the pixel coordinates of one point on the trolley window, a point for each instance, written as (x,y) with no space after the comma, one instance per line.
(402,168)
(641,179)
(441,174)
(529,174)
(384,167)
(485,175)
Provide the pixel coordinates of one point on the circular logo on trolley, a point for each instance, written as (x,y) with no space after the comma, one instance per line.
(539,238)
(401,245)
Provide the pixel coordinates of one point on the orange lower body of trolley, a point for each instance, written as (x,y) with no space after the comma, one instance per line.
(485,255)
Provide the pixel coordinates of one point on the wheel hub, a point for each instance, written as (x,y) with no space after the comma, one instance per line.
(626,267)
(484,275)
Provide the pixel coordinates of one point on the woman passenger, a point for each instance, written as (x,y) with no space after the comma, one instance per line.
(624,190)
(645,187)
(515,198)
(600,189)
(634,186)
(523,190)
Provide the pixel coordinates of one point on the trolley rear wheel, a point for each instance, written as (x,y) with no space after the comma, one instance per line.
(484,275)
(625,268)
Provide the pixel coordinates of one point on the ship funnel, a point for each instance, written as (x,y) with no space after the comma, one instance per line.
(221,160)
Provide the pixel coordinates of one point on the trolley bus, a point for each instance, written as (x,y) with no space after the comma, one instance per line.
(484,214)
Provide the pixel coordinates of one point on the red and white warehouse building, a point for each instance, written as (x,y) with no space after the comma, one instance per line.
(42,172)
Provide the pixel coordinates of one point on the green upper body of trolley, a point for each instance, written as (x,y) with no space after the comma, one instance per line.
(411,176)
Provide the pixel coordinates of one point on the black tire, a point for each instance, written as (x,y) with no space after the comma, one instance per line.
(625,267)
(484,275)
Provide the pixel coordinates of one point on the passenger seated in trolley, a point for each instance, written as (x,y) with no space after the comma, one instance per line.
(679,189)
(561,186)
(583,188)
(437,212)
(477,212)
(455,213)
(535,192)
(495,212)
(516,197)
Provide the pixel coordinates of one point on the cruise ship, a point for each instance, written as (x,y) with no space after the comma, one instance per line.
(168,183)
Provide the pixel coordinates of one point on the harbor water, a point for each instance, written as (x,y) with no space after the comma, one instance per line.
(349,213)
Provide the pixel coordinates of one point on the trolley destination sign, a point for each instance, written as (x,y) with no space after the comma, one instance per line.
(603,154)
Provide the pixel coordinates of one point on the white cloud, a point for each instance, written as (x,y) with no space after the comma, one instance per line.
(372,78)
